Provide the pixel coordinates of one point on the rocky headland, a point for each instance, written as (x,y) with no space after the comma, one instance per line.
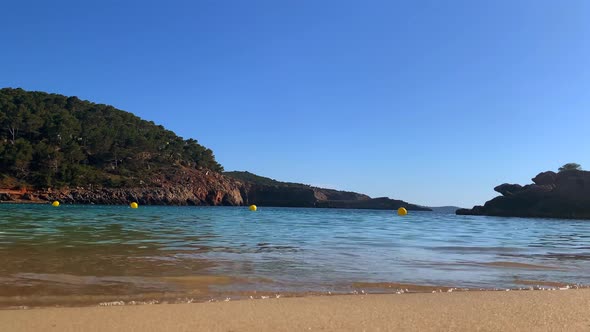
(55,147)
(552,195)
(186,186)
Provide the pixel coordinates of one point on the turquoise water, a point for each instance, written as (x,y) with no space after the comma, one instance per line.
(91,254)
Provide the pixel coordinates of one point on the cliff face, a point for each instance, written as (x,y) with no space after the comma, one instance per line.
(186,186)
(265,195)
(176,186)
(269,192)
(553,195)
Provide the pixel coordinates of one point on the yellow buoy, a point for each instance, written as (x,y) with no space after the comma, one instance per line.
(134,205)
(253,207)
(402,211)
(55,203)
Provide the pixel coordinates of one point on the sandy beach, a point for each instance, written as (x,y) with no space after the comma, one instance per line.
(567,310)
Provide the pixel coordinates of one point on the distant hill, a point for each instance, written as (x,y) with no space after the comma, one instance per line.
(445,209)
(261,180)
(271,192)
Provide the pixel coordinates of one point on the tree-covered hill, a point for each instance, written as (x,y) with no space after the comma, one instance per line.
(50,140)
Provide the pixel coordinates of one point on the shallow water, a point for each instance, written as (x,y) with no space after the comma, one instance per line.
(77,254)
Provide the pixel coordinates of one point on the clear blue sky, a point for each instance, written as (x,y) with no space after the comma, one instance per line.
(433,102)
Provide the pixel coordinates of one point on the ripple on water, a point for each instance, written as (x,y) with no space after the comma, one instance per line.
(153,252)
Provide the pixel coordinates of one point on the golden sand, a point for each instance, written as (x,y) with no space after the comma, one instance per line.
(558,310)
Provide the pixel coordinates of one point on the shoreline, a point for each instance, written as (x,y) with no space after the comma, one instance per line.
(48,202)
(457,311)
(512,216)
(199,291)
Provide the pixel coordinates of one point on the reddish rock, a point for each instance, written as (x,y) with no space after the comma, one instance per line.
(180,185)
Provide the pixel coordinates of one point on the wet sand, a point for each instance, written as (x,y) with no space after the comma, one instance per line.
(558,310)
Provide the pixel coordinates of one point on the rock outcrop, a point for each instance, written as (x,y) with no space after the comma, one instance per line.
(266,195)
(188,186)
(508,189)
(177,186)
(269,192)
(553,195)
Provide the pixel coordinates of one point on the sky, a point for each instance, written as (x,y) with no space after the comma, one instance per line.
(432,102)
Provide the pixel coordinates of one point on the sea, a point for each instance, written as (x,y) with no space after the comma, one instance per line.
(79,255)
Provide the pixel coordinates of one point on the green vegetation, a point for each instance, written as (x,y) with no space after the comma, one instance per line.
(261,180)
(323,193)
(50,140)
(570,167)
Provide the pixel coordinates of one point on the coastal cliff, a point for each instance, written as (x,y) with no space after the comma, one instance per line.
(552,195)
(176,186)
(186,186)
(54,147)
(269,192)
